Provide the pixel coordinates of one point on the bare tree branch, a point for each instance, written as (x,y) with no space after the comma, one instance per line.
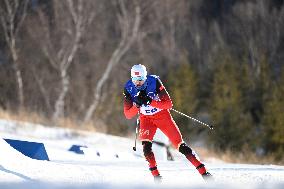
(22,18)
(122,48)
(80,24)
(11,22)
(39,81)
(61,42)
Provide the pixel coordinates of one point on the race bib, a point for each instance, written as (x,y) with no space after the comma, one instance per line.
(149,110)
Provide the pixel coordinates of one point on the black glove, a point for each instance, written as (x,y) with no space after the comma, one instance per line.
(142,98)
(147,100)
(138,101)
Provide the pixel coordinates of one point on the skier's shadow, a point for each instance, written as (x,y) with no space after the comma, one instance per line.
(15,173)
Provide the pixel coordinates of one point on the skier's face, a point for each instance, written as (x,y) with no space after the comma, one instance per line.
(138,81)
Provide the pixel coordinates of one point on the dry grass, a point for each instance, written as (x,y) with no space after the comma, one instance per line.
(241,157)
(32,117)
(22,116)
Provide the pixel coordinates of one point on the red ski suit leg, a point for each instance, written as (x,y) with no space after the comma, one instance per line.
(146,133)
(162,120)
(148,127)
(167,125)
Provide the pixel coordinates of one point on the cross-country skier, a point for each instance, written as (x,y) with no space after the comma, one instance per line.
(146,95)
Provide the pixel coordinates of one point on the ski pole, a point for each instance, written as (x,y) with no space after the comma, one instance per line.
(209,126)
(136,132)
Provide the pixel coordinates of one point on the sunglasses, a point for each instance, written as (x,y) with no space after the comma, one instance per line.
(139,78)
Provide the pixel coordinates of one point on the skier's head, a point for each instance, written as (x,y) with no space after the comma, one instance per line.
(139,76)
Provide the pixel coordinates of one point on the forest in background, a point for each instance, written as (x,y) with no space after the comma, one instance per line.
(220,60)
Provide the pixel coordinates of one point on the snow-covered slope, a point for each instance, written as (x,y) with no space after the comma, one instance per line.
(109,162)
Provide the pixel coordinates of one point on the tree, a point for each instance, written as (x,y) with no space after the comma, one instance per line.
(273,122)
(233,126)
(257,27)
(61,39)
(12,15)
(183,83)
(129,26)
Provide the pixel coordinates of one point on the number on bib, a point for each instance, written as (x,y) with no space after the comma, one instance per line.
(151,111)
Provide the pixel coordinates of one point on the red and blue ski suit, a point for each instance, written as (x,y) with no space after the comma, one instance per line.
(153,116)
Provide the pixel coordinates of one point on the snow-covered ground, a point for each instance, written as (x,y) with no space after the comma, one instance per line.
(109,162)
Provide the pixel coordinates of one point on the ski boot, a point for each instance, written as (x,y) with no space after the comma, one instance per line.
(158,179)
(207,176)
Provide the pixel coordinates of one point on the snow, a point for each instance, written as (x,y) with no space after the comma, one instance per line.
(116,166)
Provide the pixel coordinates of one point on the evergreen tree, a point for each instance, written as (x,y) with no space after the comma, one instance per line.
(255,87)
(273,124)
(260,89)
(260,94)
(233,126)
(182,84)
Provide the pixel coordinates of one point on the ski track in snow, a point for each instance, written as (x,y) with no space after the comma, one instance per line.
(69,170)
